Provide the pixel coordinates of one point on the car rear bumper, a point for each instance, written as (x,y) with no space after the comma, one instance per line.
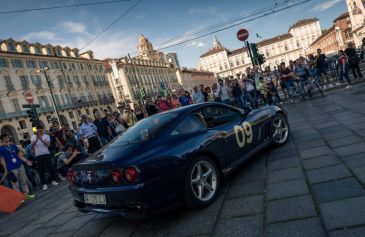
(131,202)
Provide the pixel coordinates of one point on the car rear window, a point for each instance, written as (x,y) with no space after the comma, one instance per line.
(146,128)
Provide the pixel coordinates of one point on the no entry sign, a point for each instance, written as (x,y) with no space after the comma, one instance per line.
(28,97)
(242,35)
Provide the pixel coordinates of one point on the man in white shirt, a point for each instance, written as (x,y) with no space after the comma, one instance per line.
(89,130)
(40,143)
(223,91)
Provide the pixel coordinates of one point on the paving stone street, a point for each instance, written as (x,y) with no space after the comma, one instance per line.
(313,186)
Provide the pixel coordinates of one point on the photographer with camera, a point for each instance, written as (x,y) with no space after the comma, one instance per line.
(69,157)
(40,143)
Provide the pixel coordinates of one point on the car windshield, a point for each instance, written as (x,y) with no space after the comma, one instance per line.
(146,129)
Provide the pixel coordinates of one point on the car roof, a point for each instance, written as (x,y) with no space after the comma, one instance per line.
(189,108)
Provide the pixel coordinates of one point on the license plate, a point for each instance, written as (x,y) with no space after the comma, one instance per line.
(95,199)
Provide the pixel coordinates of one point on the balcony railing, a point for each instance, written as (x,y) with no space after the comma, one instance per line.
(45,110)
(13,115)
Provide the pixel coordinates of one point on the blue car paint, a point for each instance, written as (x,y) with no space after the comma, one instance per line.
(163,162)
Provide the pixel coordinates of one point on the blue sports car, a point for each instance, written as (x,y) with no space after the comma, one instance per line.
(173,158)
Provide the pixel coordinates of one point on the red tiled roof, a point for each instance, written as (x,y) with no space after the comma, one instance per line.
(343,15)
(303,22)
(274,39)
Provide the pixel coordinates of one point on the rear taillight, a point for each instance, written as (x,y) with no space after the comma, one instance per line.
(116,177)
(130,174)
(71,176)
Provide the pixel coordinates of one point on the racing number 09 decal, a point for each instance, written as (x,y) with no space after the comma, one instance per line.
(243,134)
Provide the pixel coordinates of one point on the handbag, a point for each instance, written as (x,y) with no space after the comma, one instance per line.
(10,199)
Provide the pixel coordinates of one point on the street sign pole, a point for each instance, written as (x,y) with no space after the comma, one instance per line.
(52,97)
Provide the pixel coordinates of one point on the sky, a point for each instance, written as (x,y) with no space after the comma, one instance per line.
(158,20)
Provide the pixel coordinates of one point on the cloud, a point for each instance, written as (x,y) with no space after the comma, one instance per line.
(196,44)
(111,44)
(203,10)
(46,35)
(74,27)
(326,5)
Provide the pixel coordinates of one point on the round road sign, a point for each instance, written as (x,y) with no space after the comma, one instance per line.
(28,97)
(242,35)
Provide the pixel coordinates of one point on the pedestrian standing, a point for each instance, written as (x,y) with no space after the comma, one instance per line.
(205,94)
(11,161)
(162,104)
(88,130)
(151,108)
(344,71)
(250,91)
(183,98)
(198,96)
(223,92)
(104,129)
(119,123)
(138,111)
(237,94)
(40,143)
(175,103)
(129,116)
(354,60)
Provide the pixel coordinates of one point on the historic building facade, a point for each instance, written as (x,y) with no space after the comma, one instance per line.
(148,71)
(283,48)
(77,80)
(189,78)
(335,38)
(171,58)
(356,9)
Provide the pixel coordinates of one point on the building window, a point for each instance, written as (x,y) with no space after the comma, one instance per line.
(38,50)
(25,48)
(286,47)
(349,34)
(73,66)
(37,81)
(71,114)
(43,64)
(64,65)
(81,67)
(24,82)
(58,52)
(15,105)
(9,84)
(17,63)
(31,64)
(267,54)
(22,124)
(3,63)
(55,65)
(11,47)
(57,100)
(49,51)
(68,53)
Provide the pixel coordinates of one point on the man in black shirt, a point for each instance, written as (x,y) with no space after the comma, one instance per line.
(354,60)
(151,108)
(104,129)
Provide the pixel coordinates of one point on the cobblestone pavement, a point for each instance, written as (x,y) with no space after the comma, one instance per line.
(313,186)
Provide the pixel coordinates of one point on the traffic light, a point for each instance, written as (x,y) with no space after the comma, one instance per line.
(143,93)
(33,117)
(255,53)
(261,59)
(164,90)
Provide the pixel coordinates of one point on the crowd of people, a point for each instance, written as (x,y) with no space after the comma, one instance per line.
(55,150)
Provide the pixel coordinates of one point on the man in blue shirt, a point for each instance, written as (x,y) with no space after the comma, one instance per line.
(11,160)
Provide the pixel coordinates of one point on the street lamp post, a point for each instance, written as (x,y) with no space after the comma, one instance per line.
(51,92)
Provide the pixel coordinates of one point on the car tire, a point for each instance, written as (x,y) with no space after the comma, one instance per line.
(201,187)
(281,130)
